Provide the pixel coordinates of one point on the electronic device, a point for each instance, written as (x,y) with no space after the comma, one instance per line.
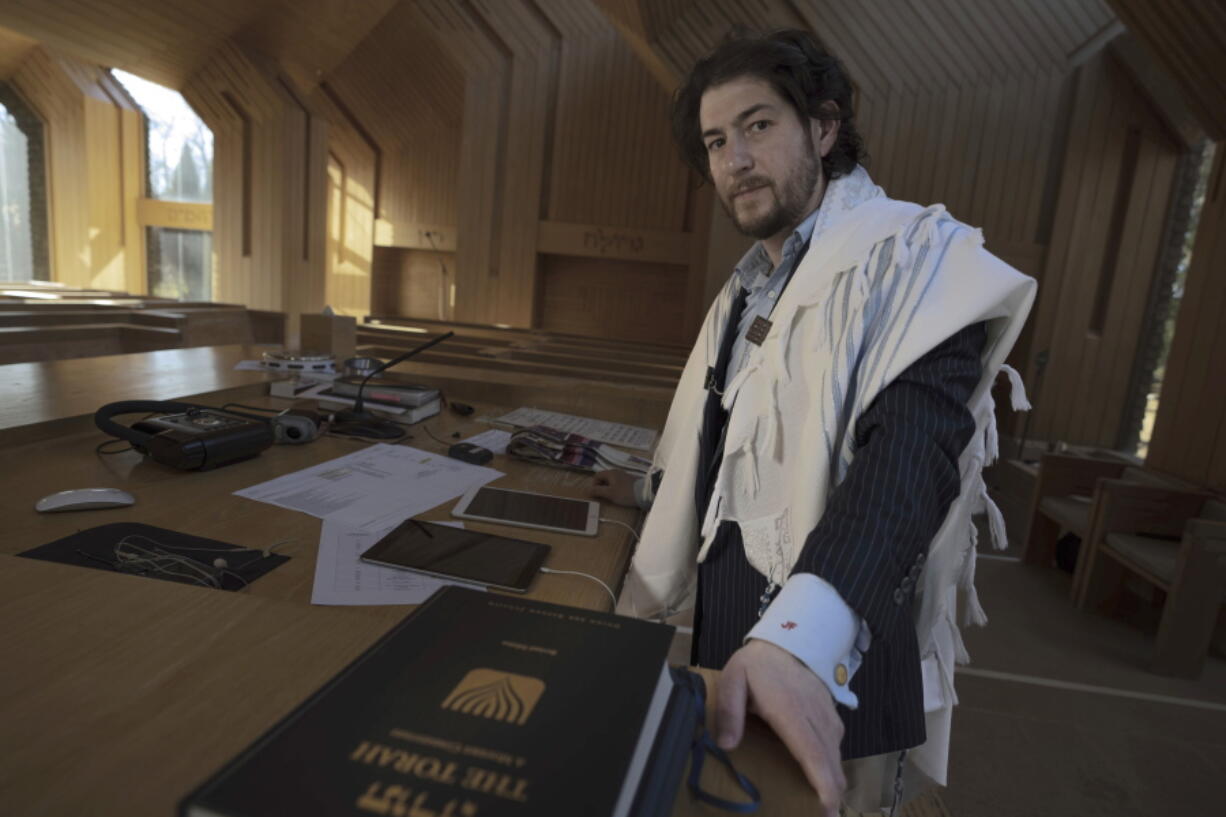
(472,454)
(191,437)
(529,510)
(291,362)
(359,422)
(462,409)
(463,555)
(84,499)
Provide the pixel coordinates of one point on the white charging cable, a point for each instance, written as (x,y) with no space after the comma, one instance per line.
(584,575)
(633,532)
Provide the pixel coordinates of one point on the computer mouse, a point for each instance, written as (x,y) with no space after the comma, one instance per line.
(84,499)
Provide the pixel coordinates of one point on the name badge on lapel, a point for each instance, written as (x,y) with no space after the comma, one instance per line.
(758,330)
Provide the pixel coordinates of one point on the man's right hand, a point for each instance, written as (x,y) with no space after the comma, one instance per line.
(615,486)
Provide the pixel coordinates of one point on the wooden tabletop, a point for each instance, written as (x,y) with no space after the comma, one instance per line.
(121,693)
(55,390)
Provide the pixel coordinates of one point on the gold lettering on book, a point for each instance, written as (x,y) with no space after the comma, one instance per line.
(393,801)
(411,763)
(496,783)
(500,696)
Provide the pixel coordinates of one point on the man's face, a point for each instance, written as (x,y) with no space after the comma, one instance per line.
(763,160)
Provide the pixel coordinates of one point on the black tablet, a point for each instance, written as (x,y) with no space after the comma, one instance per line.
(462,555)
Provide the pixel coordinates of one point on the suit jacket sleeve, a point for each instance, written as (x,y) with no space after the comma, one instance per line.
(881,518)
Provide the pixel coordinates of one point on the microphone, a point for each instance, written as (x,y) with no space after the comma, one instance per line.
(358,414)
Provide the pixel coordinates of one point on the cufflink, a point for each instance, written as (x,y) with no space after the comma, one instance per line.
(840,675)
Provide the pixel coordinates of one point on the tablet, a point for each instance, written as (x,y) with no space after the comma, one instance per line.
(462,555)
(528,510)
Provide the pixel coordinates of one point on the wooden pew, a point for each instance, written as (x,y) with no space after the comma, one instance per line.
(56,330)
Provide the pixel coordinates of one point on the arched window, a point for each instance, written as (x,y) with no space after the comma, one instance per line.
(179,157)
(23,196)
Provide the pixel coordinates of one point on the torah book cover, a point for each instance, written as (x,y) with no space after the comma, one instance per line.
(475,705)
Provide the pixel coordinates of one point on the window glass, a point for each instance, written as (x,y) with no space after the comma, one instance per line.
(16,238)
(178,260)
(179,146)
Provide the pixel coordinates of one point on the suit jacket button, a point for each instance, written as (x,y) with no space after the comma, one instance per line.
(899,596)
(920,559)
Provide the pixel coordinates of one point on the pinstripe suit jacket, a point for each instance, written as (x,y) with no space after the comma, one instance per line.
(870,549)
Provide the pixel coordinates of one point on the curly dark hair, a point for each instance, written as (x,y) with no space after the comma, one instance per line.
(799,71)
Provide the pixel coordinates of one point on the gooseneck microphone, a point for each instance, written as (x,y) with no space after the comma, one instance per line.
(358,421)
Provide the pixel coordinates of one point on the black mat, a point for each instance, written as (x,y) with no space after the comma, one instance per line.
(95,548)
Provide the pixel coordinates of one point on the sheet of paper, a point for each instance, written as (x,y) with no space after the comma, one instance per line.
(249,366)
(495,440)
(373,488)
(342,578)
(603,431)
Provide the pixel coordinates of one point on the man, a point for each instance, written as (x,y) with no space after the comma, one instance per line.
(822,455)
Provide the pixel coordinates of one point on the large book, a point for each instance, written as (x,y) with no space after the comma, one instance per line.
(478,705)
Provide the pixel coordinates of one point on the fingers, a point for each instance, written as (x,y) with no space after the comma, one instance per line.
(817,753)
(730,695)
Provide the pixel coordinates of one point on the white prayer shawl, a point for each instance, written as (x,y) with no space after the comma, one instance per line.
(856,313)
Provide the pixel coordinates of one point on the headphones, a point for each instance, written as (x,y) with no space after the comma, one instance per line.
(195,437)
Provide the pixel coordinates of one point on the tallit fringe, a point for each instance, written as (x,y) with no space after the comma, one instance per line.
(966,580)
(1017,389)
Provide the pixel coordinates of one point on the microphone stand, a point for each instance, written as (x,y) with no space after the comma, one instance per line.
(364,423)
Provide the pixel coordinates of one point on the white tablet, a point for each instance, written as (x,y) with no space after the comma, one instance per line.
(529,510)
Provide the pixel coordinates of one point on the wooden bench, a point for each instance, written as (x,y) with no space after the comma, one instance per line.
(1175,541)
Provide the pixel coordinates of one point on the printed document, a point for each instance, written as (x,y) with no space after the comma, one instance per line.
(494,440)
(342,578)
(374,488)
(603,431)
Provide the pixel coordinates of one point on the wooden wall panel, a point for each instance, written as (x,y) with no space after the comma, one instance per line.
(1188,37)
(1110,214)
(413,283)
(269,186)
(14,49)
(985,160)
(169,40)
(95,168)
(395,106)
(1189,439)
(350,213)
(614,299)
(613,160)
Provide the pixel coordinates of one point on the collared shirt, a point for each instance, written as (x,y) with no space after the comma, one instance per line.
(765,283)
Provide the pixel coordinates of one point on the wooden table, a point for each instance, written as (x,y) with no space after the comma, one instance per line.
(120,693)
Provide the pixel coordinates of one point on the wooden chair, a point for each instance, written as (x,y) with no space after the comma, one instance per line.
(1174,540)
(1066,498)
(1063,500)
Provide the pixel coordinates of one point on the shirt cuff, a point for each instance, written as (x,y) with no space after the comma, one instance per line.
(643,495)
(810,620)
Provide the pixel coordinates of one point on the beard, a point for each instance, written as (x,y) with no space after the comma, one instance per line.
(790,205)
